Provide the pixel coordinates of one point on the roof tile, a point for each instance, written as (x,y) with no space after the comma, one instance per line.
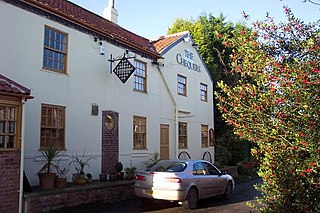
(9,86)
(165,41)
(81,15)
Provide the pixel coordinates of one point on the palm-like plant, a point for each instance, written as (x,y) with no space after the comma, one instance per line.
(49,154)
(80,162)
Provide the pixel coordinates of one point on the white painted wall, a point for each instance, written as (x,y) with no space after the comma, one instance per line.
(198,112)
(88,81)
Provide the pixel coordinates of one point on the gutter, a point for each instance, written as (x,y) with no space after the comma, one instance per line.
(175,110)
(22,156)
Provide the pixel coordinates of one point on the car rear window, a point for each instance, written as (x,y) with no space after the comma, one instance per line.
(168,166)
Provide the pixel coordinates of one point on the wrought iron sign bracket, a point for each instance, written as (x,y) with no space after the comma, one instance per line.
(120,57)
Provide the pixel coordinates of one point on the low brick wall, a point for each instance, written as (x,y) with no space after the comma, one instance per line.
(49,200)
(231,170)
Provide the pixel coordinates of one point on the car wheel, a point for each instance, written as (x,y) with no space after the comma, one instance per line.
(228,191)
(191,199)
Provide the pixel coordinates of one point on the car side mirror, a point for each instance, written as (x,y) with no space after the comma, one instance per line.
(223,173)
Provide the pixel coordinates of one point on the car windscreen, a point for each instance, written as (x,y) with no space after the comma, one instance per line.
(168,166)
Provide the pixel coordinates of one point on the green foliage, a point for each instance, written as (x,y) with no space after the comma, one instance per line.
(118,167)
(89,175)
(80,162)
(275,104)
(49,155)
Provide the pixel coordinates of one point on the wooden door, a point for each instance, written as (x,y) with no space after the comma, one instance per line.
(164,142)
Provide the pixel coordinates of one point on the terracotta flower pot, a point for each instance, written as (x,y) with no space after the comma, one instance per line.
(46,180)
(60,183)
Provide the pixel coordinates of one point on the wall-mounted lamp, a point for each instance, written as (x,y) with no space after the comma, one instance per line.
(94,109)
(158,63)
(102,50)
(95,39)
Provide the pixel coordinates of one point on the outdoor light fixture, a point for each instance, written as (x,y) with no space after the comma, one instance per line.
(158,63)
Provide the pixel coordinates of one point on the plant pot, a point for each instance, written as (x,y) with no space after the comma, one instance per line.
(74,178)
(120,175)
(81,181)
(130,177)
(113,177)
(46,180)
(89,180)
(103,178)
(60,183)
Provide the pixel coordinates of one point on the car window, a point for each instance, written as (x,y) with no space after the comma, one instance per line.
(211,169)
(199,169)
(167,166)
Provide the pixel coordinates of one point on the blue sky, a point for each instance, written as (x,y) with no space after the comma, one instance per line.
(152,18)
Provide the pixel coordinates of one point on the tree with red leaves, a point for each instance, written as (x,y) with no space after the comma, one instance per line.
(276,105)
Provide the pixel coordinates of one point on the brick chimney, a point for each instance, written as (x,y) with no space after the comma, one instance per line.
(110,12)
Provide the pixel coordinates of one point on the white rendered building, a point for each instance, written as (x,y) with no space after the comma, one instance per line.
(77,65)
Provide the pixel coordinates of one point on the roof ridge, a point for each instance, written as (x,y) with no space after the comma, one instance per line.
(80,16)
(169,36)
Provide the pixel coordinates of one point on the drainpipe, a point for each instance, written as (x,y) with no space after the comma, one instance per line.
(22,156)
(175,110)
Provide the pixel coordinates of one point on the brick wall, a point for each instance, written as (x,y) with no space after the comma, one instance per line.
(50,200)
(110,144)
(9,181)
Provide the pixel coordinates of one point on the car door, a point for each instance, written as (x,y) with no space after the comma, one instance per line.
(216,182)
(200,176)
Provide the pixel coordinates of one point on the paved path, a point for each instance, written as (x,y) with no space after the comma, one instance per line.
(243,193)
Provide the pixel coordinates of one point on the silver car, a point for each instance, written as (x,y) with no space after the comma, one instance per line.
(185,181)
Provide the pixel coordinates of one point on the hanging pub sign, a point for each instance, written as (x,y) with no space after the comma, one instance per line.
(124,69)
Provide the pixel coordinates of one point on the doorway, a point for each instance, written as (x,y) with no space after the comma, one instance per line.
(164,142)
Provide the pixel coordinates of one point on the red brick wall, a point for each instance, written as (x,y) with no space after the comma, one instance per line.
(9,181)
(70,197)
(110,144)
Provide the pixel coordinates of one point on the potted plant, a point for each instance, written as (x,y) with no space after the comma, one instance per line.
(80,162)
(130,172)
(89,178)
(61,178)
(45,174)
(103,177)
(119,167)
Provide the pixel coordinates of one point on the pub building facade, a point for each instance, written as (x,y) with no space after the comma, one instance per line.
(103,91)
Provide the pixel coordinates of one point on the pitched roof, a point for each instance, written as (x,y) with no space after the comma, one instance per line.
(74,13)
(11,87)
(163,42)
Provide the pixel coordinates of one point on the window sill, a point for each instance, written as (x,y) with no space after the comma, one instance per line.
(9,149)
(53,72)
(140,149)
